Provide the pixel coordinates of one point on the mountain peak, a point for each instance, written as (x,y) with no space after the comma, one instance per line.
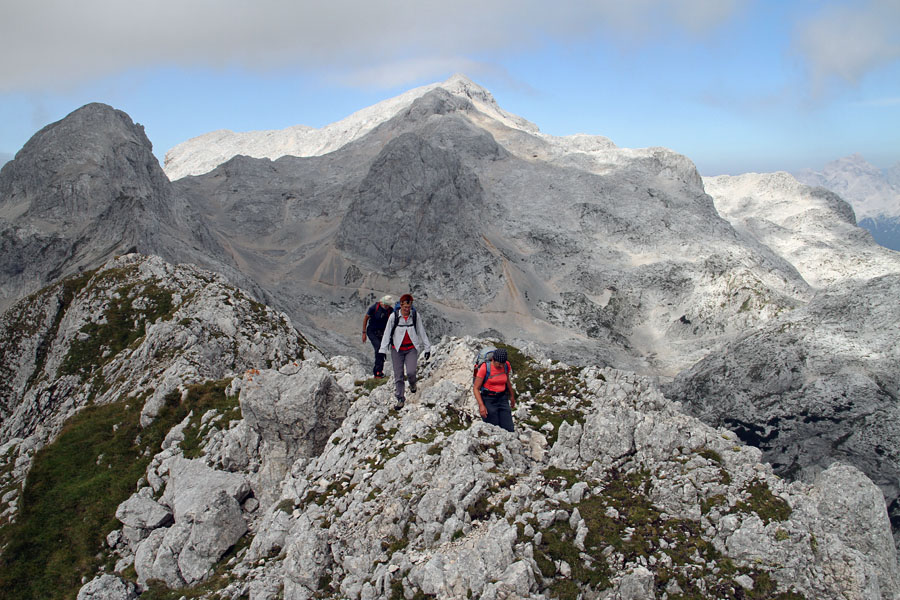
(866,187)
(86,157)
(204,153)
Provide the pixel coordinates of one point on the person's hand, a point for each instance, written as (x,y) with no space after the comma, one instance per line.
(364,337)
(482,410)
(427,355)
(512,403)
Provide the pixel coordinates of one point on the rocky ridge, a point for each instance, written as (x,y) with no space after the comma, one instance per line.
(812,228)
(204,153)
(818,386)
(597,254)
(137,328)
(873,193)
(606,487)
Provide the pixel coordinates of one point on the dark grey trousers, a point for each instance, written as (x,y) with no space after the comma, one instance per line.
(400,360)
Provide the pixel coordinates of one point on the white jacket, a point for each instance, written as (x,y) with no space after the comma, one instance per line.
(416,334)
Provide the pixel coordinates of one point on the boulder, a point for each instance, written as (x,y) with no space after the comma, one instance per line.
(208,521)
(193,486)
(143,513)
(294,412)
(108,587)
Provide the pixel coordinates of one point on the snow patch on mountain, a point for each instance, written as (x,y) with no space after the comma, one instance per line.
(204,153)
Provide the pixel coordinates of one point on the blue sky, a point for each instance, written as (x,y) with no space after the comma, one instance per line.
(735,85)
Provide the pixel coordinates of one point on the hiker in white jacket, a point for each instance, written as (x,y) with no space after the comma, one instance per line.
(405,335)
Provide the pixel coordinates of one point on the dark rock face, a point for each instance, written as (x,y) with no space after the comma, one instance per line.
(79,191)
(88,188)
(418,209)
(818,388)
(76,170)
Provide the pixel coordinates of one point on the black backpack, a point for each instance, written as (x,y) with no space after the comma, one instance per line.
(412,313)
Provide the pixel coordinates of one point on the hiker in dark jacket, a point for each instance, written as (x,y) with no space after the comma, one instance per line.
(405,335)
(373,328)
(494,392)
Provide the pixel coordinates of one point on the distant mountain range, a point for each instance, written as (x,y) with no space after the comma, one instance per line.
(873,193)
(754,302)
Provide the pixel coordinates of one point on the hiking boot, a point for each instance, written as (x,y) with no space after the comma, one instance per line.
(379,375)
(412,387)
(400,403)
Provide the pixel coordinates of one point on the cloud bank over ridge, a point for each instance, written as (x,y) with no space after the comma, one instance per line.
(53,43)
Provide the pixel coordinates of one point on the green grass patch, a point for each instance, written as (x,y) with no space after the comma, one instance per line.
(69,501)
(480,510)
(560,478)
(203,397)
(622,519)
(455,420)
(764,503)
(124,325)
(710,455)
(73,489)
(371,383)
(392,544)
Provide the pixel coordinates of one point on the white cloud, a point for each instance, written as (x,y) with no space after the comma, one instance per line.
(845,42)
(53,43)
(398,73)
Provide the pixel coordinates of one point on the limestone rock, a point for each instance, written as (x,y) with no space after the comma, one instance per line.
(431,500)
(817,388)
(214,530)
(293,413)
(192,486)
(108,587)
(208,521)
(853,508)
(143,513)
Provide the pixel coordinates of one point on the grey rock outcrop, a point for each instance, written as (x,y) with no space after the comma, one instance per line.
(293,411)
(80,191)
(208,520)
(86,189)
(605,488)
(418,210)
(108,587)
(817,387)
(204,510)
(137,329)
(140,512)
